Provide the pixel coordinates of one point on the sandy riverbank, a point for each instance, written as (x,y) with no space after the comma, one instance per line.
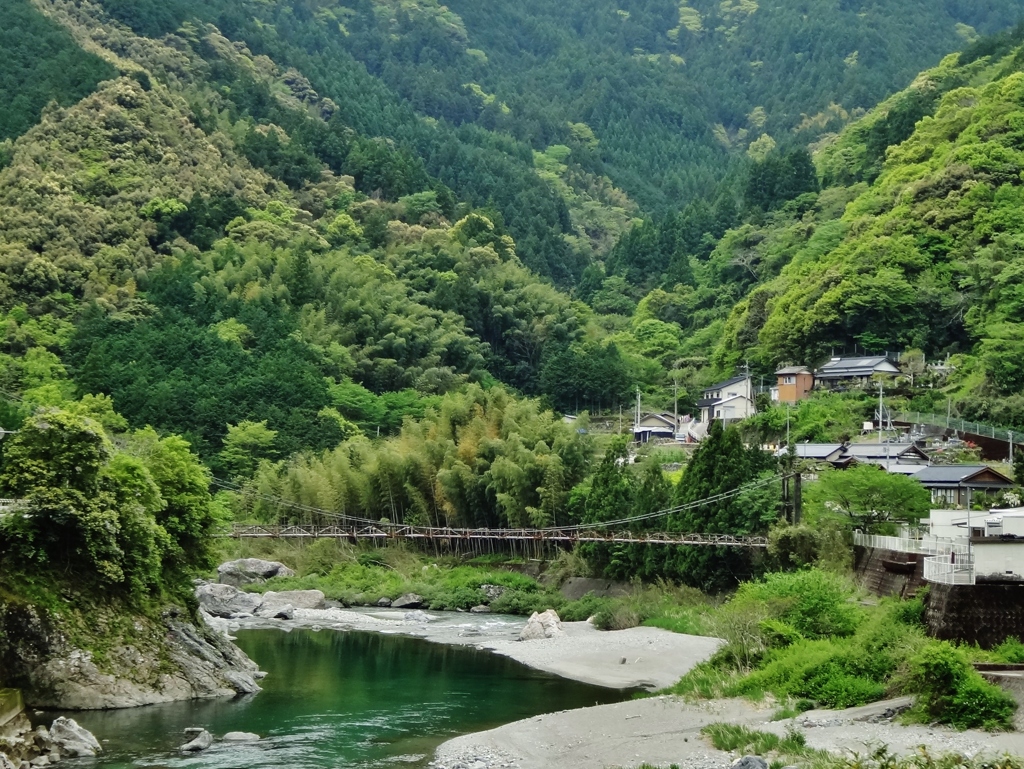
(654,658)
(666,730)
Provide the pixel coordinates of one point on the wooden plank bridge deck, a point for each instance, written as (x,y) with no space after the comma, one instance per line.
(383,534)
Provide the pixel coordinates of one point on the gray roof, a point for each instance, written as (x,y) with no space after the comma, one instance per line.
(849,368)
(812,450)
(884,450)
(956,474)
(726,383)
(793,370)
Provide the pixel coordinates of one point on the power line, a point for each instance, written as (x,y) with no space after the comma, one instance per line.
(578,527)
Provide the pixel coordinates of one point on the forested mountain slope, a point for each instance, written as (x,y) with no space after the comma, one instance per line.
(264,222)
(917,246)
(654,101)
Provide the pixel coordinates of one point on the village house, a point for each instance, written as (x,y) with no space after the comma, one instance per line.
(728,401)
(953,485)
(895,457)
(652,426)
(857,371)
(794,384)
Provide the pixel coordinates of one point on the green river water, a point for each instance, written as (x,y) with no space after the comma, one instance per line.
(333,700)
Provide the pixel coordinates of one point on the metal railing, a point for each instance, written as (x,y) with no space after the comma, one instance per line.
(960,425)
(568,535)
(943,570)
(920,545)
(949,562)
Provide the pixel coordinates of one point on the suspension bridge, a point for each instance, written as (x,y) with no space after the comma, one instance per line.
(338,526)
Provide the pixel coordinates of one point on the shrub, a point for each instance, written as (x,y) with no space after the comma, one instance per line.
(1011,650)
(813,602)
(952,692)
(583,608)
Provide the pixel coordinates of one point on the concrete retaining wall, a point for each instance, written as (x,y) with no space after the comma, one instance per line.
(10,705)
(985,614)
(887,572)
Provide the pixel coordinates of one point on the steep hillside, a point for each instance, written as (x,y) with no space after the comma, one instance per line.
(928,255)
(560,115)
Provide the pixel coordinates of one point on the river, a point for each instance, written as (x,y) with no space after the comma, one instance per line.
(334,700)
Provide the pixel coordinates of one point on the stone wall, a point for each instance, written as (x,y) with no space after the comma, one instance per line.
(10,706)
(985,614)
(887,572)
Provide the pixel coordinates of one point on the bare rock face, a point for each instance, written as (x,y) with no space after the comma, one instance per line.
(72,740)
(544,625)
(227,601)
(247,571)
(162,660)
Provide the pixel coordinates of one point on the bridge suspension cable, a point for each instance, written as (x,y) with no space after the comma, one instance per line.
(760,483)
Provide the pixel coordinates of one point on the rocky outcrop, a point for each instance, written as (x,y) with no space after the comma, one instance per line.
(227,601)
(299,599)
(544,625)
(247,571)
(230,602)
(145,660)
(23,746)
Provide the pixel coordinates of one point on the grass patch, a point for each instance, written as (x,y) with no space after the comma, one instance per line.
(734,737)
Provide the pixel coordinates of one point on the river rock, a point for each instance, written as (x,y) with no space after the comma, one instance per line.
(544,625)
(384,602)
(276,610)
(408,601)
(71,739)
(240,737)
(481,609)
(226,601)
(750,762)
(5,762)
(493,592)
(299,599)
(416,616)
(201,741)
(247,571)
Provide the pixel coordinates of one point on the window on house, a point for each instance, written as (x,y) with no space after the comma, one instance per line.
(789,380)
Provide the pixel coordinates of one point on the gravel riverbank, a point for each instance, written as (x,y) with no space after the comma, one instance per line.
(657,730)
(666,730)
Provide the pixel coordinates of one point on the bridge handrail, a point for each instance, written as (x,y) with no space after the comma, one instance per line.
(960,425)
(923,546)
(567,534)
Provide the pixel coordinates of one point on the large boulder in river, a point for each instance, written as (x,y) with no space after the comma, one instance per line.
(201,741)
(72,740)
(407,601)
(227,601)
(247,571)
(298,599)
(544,625)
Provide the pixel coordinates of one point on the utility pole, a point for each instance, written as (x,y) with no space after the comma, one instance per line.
(787,425)
(675,408)
(1011,448)
(798,506)
(880,406)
